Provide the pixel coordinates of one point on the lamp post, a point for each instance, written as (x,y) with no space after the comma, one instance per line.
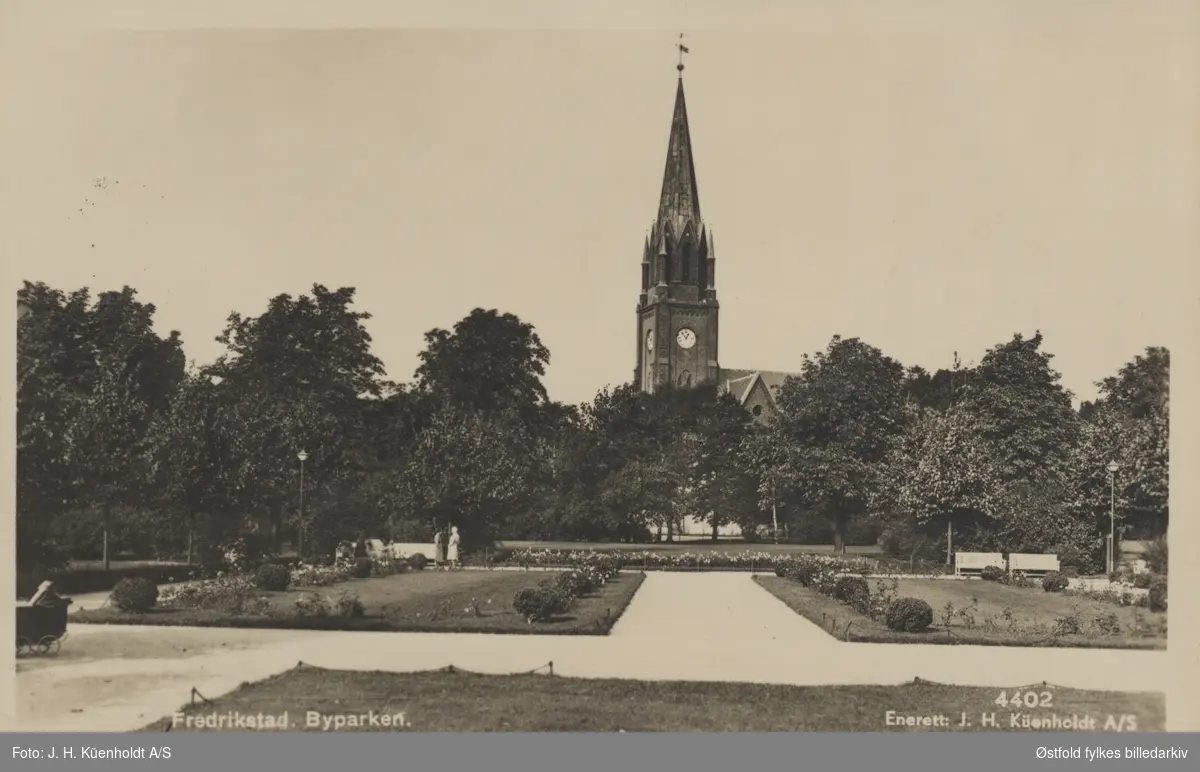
(300,520)
(1112,467)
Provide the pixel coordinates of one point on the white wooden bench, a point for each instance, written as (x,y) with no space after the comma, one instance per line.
(408,549)
(1033,565)
(973,563)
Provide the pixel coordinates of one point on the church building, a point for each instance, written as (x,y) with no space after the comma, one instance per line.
(677,311)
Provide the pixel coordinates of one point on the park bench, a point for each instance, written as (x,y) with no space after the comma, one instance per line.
(973,563)
(408,549)
(1033,565)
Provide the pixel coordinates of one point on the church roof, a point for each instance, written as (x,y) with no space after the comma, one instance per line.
(680,198)
(772,379)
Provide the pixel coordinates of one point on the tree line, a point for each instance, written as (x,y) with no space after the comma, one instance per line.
(125,448)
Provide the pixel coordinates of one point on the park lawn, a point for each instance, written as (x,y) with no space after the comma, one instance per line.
(1033,611)
(456,701)
(415,601)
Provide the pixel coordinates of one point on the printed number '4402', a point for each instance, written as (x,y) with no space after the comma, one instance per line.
(1028,700)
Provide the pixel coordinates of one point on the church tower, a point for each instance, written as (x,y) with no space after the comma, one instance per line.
(677,309)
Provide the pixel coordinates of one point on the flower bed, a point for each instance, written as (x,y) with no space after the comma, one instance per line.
(971,613)
(555,596)
(420,601)
(648,560)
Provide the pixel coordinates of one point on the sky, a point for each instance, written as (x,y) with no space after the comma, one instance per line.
(932,178)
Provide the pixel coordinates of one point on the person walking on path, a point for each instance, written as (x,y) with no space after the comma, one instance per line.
(439,549)
(452,551)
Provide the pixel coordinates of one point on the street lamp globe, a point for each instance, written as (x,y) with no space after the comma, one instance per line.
(302,456)
(1112,467)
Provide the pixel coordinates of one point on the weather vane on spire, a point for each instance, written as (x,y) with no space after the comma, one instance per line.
(682,50)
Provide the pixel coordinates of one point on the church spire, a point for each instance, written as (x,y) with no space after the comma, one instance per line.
(680,199)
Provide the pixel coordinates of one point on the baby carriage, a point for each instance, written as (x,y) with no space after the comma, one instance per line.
(42,622)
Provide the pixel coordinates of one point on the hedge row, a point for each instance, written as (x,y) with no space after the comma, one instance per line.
(80,580)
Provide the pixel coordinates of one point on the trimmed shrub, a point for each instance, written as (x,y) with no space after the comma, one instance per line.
(573,583)
(362,568)
(1157,599)
(537,604)
(909,615)
(272,576)
(992,573)
(1055,582)
(854,592)
(137,595)
(418,562)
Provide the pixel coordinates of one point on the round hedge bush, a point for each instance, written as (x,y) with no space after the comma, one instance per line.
(909,615)
(362,568)
(1055,582)
(136,594)
(1143,581)
(993,573)
(272,576)
(537,604)
(418,562)
(573,583)
(1157,600)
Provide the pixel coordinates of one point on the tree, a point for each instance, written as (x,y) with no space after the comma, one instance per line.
(53,362)
(314,345)
(940,475)
(1129,424)
(1021,410)
(768,459)
(491,363)
(296,378)
(105,373)
(724,486)
(838,421)
(940,390)
(466,469)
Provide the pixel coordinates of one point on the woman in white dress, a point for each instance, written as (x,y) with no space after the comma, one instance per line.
(452,548)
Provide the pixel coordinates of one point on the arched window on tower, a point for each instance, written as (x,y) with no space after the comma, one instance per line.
(685,379)
(687,262)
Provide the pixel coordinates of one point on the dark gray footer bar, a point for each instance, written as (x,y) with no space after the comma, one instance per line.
(290,752)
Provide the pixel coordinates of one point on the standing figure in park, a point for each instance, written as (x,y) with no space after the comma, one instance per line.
(452,552)
(439,548)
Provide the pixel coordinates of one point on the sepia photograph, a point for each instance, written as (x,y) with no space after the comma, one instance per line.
(387,379)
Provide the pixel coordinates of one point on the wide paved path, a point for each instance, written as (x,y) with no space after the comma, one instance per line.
(701,627)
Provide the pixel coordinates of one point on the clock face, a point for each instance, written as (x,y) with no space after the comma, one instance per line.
(686,338)
(650,340)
